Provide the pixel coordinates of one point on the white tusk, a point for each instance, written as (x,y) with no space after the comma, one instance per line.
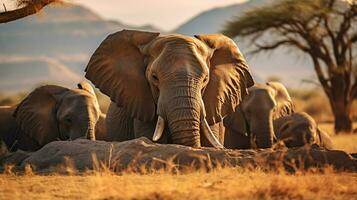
(210,136)
(159,129)
(207,130)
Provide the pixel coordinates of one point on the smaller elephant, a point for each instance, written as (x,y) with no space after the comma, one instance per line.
(252,121)
(51,113)
(299,129)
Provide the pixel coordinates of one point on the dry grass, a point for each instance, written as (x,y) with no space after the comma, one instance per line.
(229,183)
(346,142)
(342,143)
(222,183)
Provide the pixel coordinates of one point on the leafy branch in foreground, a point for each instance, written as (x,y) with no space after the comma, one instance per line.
(25,8)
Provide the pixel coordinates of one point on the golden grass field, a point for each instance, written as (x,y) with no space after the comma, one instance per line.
(229,183)
(223,183)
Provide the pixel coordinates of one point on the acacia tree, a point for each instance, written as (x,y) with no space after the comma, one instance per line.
(24,8)
(326,30)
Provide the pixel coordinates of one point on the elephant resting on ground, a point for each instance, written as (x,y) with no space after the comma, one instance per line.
(50,113)
(172,88)
(299,129)
(252,122)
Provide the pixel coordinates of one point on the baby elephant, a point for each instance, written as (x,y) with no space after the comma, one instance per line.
(299,129)
(50,113)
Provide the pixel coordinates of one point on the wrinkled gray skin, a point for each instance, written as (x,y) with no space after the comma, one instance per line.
(299,129)
(252,123)
(183,80)
(50,113)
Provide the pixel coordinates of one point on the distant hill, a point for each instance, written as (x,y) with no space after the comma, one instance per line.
(280,63)
(28,73)
(53,46)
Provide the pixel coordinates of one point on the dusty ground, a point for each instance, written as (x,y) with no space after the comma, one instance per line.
(228,183)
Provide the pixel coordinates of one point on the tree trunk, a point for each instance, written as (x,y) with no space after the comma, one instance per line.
(342,114)
(340,102)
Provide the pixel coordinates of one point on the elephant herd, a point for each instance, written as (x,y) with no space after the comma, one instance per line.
(193,91)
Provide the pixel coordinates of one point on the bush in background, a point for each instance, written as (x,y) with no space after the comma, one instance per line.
(314,102)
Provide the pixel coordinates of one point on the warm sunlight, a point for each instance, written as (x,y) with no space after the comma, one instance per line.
(200,99)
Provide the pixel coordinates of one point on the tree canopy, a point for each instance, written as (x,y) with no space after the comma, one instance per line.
(326,30)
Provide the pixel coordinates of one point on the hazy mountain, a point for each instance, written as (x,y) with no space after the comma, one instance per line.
(53,46)
(290,67)
(28,73)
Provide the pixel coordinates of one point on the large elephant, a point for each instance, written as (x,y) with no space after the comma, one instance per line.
(169,86)
(299,129)
(252,122)
(50,113)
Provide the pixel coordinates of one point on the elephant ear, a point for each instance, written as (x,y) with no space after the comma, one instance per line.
(84,85)
(285,105)
(229,77)
(36,114)
(118,67)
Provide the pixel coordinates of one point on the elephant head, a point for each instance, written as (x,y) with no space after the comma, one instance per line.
(296,130)
(53,112)
(265,103)
(299,129)
(188,83)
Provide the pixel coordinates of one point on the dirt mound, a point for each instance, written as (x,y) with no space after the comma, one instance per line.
(142,155)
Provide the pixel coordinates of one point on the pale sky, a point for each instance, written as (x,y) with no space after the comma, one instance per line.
(165,14)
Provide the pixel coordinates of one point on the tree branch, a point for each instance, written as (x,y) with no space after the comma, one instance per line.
(354,91)
(288,41)
(30,8)
(345,26)
(353,38)
(4,7)
(321,77)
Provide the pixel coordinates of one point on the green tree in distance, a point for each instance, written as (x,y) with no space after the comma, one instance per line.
(326,30)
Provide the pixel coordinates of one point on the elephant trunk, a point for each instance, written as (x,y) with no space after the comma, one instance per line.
(184,124)
(262,130)
(90,134)
(181,110)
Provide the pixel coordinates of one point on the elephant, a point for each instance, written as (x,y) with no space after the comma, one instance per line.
(50,113)
(251,125)
(101,128)
(171,88)
(299,129)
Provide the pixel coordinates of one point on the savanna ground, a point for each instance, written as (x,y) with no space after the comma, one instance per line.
(222,183)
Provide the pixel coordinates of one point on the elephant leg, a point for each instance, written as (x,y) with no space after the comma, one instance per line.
(146,129)
(120,126)
(236,140)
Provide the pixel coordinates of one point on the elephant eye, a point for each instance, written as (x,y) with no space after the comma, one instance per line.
(155,77)
(68,121)
(205,79)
